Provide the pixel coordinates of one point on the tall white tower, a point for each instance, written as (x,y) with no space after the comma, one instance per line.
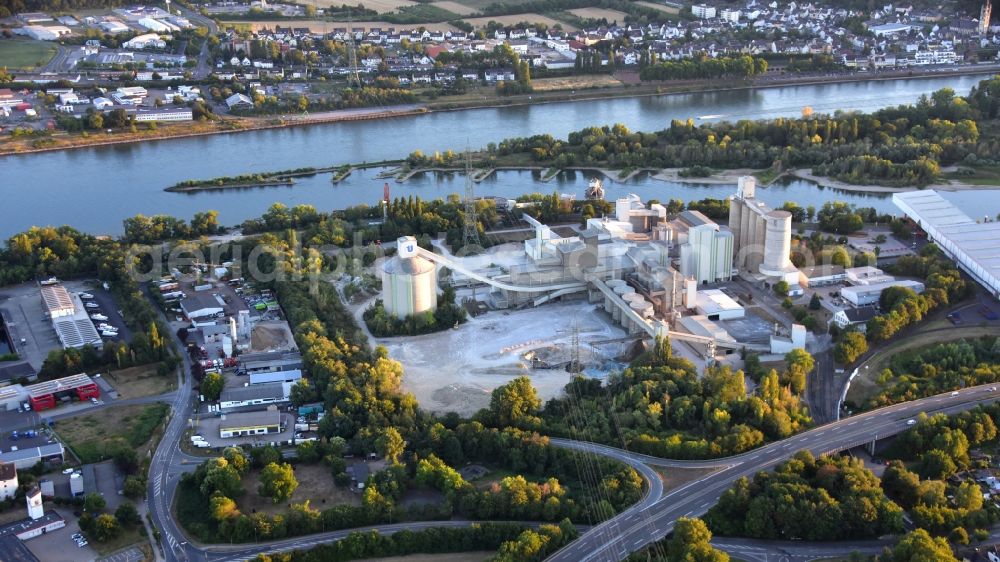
(34,498)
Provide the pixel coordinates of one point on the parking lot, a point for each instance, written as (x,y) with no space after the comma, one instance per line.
(58,545)
(30,328)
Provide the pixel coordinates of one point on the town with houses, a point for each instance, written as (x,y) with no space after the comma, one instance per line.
(238,67)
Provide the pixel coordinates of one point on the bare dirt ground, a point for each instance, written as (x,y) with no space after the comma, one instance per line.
(269,336)
(455,7)
(574,82)
(676,477)
(515,19)
(456,370)
(315,485)
(598,13)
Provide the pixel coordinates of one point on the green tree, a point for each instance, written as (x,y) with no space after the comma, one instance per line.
(94,503)
(134,487)
(515,404)
(390,444)
(690,543)
(277,481)
(106,527)
(851,346)
(127,514)
(211,386)
(302,393)
(919,546)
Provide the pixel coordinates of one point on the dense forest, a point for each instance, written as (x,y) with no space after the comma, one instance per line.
(824,499)
(660,406)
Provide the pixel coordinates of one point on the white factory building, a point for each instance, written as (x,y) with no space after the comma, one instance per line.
(864,295)
(707,255)
(975,247)
(716,305)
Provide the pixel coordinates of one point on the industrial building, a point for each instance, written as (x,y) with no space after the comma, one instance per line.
(270,361)
(716,305)
(69,318)
(250,423)
(626,261)
(409,282)
(865,295)
(8,480)
(866,275)
(975,247)
(202,305)
(707,253)
(822,275)
(267,377)
(762,237)
(52,454)
(255,395)
(47,394)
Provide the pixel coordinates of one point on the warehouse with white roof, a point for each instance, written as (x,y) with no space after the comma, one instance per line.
(975,247)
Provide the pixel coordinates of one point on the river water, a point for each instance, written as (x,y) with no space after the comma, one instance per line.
(94,189)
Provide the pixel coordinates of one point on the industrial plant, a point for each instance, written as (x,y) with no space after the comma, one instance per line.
(651,274)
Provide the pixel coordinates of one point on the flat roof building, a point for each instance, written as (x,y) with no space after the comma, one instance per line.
(266,377)
(864,295)
(255,395)
(250,423)
(50,453)
(716,305)
(201,305)
(975,247)
(57,301)
(821,275)
(46,394)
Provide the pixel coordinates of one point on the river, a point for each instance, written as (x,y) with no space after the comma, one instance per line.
(93,189)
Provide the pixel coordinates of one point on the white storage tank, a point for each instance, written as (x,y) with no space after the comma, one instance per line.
(623,290)
(409,282)
(643,308)
(777,243)
(612,283)
(629,297)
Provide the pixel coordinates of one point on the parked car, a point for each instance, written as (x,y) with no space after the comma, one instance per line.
(988,313)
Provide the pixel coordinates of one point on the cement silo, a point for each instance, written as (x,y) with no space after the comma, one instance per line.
(777,244)
(409,282)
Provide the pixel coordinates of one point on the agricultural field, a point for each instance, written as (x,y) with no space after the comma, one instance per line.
(515,19)
(598,13)
(574,83)
(25,54)
(380,6)
(660,7)
(480,4)
(454,7)
(317,26)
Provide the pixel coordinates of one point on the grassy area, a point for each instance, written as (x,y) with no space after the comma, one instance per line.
(94,437)
(128,537)
(315,485)
(137,382)
(676,477)
(767,176)
(22,53)
(981,175)
(575,82)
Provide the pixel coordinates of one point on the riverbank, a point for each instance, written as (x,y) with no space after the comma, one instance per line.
(823,181)
(228,125)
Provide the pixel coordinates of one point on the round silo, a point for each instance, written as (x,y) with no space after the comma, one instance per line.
(409,284)
(777,243)
(629,297)
(623,290)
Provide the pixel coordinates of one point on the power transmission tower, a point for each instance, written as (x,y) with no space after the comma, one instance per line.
(353,78)
(471,226)
(576,366)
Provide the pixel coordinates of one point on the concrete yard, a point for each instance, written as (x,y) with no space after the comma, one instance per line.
(456,370)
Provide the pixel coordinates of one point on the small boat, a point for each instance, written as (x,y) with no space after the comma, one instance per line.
(595,190)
